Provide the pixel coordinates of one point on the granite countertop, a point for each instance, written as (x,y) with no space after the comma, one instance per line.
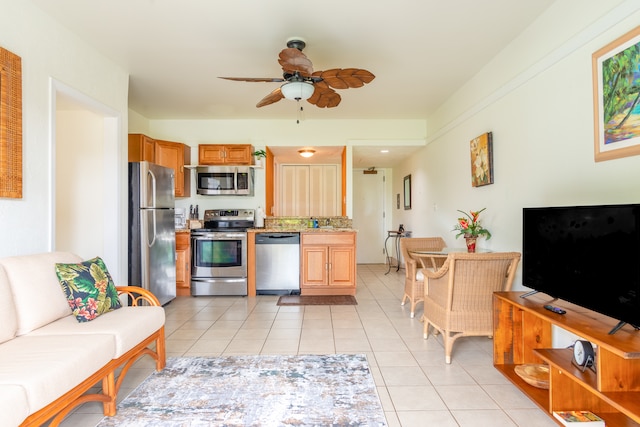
(286,230)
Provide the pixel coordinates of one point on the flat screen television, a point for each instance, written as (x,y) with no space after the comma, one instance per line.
(587,255)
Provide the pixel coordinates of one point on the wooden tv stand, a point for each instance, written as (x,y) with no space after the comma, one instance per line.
(522,334)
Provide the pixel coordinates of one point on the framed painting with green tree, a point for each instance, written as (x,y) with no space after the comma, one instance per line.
(616,97)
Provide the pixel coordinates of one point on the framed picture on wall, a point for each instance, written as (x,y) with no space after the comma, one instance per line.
(481,149)
(407,192)
(616,98)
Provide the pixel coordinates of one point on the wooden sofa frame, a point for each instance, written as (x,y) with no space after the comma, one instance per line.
(60,408)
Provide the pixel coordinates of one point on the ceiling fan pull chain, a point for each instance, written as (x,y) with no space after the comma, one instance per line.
(300,113)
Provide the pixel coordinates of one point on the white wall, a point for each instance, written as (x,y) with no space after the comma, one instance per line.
(50,52)
(263,133)
(536,98)
(79,178)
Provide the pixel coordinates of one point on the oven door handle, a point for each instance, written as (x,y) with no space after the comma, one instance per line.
(226,236)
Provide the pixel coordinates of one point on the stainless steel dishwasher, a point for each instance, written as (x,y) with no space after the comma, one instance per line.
(278,263)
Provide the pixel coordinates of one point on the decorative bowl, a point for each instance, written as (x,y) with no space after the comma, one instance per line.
(534,374)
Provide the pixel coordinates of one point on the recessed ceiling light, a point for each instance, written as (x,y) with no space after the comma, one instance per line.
(384,151)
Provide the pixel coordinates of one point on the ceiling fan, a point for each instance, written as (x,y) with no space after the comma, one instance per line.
(302,83)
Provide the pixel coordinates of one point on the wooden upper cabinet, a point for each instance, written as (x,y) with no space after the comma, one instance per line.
(141,148)
(225,154)
(309,190)
(172,155)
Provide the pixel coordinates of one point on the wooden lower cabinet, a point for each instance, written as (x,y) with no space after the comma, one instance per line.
(328,265)
(523,334)
(183,263)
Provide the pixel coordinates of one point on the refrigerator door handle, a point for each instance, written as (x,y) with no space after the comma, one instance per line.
(153,188)
(155,232)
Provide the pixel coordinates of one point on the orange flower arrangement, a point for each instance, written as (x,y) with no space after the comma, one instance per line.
(470,226)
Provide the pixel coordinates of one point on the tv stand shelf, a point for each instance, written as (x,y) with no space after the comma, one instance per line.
(523,334)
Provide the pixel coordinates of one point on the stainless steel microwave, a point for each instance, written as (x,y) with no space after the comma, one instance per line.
(225,180)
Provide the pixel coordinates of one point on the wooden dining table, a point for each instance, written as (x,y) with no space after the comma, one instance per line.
(434,259)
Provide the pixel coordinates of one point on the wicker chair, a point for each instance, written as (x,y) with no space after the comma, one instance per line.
(459,301)
(414,279)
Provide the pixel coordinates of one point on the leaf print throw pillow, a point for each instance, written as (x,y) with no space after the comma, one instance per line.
(89,289)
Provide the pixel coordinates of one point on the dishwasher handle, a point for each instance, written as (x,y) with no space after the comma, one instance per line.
(278,239)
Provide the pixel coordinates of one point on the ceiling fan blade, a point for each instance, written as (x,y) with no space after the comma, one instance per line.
(292,60)
(345,78)
(275,96)
(254,79)
(324,97)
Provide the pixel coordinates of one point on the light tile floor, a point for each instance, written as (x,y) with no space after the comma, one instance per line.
(415,385)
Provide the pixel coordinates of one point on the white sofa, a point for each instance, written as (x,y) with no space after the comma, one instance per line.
(48,360)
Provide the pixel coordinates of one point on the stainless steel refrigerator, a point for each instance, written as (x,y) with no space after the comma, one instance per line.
(152,241)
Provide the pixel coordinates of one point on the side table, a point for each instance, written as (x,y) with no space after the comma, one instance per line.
(396,235)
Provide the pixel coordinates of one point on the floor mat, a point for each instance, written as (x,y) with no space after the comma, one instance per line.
(317,300)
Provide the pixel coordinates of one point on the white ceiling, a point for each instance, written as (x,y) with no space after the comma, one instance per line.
(421,51)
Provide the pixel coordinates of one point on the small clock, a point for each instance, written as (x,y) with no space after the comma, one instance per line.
(583,354)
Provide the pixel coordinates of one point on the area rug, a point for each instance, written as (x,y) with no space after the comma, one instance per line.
(317,300)
(313,390)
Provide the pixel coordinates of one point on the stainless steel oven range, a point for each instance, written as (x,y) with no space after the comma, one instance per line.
(219,253)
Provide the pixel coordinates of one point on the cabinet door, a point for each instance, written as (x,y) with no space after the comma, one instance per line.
(239,154)
(342,262)
(183,264)
(294,192)
(224,154)
(330,195)
(314,265)
(323,190)
(211,154)
(309,190)
(171,155)
(141,148)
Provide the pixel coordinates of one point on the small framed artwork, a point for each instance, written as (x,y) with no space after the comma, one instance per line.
(407,192)
(616,98)
(398,201)
(482,160)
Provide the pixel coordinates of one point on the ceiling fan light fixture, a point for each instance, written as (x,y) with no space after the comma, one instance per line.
(297,91)
(306,153)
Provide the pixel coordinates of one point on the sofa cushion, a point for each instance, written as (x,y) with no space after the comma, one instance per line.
(35,288)
(8,320)
(49,366)
(89,288)
(14,406)
(129,326)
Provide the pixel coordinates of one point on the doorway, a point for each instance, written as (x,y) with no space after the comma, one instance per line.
(86,177)
(368,215)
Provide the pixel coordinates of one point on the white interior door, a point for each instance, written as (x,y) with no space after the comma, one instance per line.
(368,216)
